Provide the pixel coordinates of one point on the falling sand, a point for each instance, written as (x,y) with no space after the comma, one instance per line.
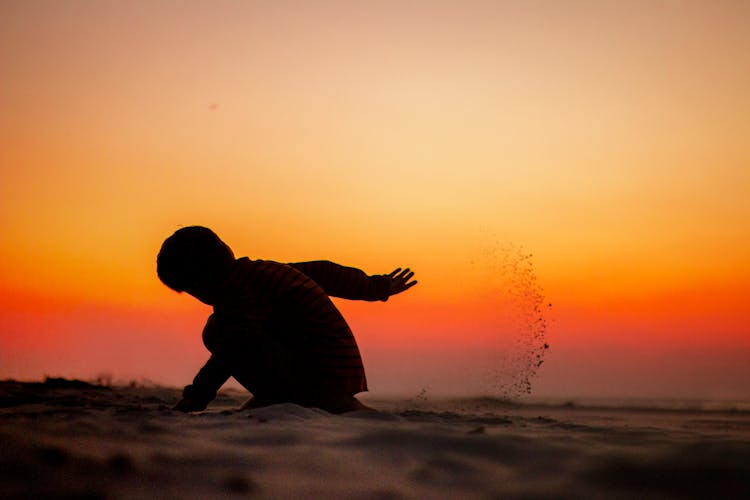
(503,337)
(525,311)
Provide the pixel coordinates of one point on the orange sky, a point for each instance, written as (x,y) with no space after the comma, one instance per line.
(607,139)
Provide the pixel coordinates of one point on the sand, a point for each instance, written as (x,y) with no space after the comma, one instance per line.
(69,439)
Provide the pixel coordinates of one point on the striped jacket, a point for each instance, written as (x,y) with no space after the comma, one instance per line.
(289,303)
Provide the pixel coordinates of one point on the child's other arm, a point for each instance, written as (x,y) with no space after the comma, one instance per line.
(209,379)
(351,283)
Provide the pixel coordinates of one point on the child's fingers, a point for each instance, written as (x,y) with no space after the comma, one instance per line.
(404,273)
(400,279)
(405,276)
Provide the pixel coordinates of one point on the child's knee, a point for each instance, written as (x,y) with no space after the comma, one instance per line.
(212,334)
(226,331)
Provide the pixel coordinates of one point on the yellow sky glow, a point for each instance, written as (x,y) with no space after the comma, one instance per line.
(608,139)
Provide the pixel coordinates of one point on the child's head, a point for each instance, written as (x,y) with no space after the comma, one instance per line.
(193,260)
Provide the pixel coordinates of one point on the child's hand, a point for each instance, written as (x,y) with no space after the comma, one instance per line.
(400,281)
(188,405)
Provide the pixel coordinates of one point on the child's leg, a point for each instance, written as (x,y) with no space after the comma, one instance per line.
(260,362)
(271,371)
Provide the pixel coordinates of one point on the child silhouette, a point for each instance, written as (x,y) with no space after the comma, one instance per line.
(274,327)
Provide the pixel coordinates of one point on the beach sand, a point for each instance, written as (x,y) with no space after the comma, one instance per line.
(69,439)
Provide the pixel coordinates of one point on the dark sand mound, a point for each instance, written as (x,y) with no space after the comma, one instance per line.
(72,439)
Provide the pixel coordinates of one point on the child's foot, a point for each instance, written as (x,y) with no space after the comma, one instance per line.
(347,405)
(336,406)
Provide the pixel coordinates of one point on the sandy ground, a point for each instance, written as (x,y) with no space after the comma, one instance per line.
(66,439)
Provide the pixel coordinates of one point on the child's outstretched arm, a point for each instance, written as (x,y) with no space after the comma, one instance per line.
(351,283)
(207,382)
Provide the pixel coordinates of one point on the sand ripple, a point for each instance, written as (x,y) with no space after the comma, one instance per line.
(83,441)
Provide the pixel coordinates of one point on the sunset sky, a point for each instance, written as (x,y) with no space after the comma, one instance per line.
(608,140)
